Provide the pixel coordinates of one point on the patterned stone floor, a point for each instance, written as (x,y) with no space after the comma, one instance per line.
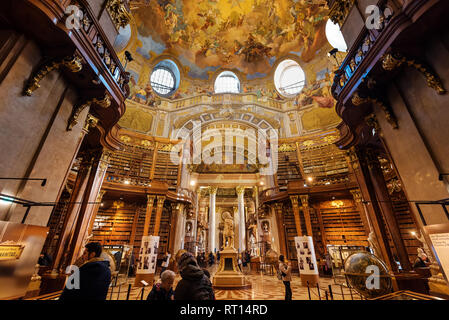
(264,287)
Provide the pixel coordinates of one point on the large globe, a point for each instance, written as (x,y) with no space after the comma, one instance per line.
(359,269)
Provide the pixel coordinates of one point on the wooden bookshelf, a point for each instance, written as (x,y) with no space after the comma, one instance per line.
(343,226)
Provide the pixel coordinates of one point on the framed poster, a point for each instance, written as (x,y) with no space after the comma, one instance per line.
(148,255)
(439,236)
(306,255)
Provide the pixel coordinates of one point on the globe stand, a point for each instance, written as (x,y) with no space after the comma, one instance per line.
(228,275)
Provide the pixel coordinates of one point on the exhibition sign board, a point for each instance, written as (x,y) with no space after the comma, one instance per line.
(439,235)
(148,255)
(308,268)
(306,255)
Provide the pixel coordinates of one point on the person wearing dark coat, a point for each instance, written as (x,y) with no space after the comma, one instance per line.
(194,285)
(94,277)
(163,290)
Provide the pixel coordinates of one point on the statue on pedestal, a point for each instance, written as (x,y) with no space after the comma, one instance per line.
(228,231)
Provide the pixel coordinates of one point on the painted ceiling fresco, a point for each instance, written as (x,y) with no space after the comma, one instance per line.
(248,35)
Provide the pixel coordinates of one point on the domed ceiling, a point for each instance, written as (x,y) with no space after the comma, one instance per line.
(248,35)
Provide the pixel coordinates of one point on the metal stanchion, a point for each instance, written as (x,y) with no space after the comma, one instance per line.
(318,288)
(330,292)
(129,291)
(325,291)
(308,290)
(350,292)
(141,294)
(112,290)
(342,292)
(118,294)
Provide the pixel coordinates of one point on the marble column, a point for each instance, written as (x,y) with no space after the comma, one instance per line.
(148,212)
(295,206)
(242,220)
(176,211)
(89,196)
(212,195)
(305,208)
(160,206)
(278,207)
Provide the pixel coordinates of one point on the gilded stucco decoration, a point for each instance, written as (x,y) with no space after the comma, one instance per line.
(118,12)
(137,119)
(73,63)
(319,118)
(392,61)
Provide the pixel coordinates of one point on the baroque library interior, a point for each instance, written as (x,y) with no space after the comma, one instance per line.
(224,150)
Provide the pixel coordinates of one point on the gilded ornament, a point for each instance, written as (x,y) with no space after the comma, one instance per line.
(304,200)
(393,61)
(240,190)
(125,139)
(285,147)
(104,102)
(212,190)
(357,195)
(118,12)
(91,122)
(394,185)
(73,63)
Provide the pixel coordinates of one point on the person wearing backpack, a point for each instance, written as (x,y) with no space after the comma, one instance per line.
(285,274)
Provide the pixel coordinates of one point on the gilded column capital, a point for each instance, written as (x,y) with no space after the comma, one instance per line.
(100,195)
(150,199)
(356,194)
(213,190)
(304,200)
(160,201)
(278,206)
(294,200)
(240,190)
(104,160)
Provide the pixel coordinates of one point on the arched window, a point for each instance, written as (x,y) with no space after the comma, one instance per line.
(289,78)
(227,82)
(335,37)
(165,78)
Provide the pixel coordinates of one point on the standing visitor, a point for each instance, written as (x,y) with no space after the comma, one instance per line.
(211,259)
(195,284)
(94,276)
(285,270)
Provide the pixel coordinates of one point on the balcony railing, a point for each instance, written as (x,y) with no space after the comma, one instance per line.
(359,51)
(90,28)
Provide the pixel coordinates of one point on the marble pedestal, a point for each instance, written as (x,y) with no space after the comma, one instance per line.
(228,275)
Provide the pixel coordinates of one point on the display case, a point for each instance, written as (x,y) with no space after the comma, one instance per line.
(122,258)
(338,255)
